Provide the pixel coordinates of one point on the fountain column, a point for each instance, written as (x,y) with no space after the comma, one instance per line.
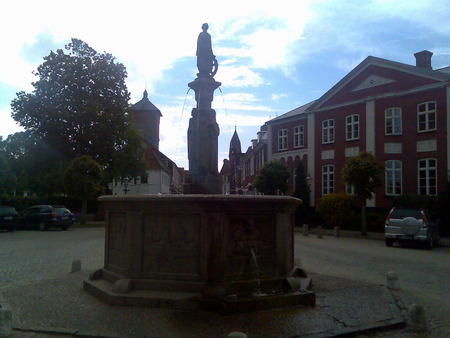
(203,129)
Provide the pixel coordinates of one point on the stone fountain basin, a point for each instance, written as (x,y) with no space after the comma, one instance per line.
(195,251)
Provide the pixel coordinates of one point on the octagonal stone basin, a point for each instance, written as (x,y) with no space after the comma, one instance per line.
(222,252)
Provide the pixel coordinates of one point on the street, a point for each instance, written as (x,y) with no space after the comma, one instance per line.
(423,275)
(29,257)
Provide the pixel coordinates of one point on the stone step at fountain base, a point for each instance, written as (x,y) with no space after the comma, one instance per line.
(260,302)
(183,301)
(192,301)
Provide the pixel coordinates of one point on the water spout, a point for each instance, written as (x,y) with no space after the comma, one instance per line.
(258,292)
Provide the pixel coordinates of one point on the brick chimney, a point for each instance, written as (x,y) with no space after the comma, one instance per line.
(423,59)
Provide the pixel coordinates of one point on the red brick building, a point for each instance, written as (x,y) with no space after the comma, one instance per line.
(399,112)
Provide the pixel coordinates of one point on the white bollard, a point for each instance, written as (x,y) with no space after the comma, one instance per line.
(5,322)
(76,265)
(392,280)
(319,232)
(418,319)
(305,229)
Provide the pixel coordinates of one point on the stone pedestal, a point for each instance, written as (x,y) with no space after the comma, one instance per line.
(200,251)
(203,136)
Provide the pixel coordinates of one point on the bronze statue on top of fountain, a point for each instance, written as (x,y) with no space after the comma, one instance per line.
(206,61)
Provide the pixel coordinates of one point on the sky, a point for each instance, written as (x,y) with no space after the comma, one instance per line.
(274,56)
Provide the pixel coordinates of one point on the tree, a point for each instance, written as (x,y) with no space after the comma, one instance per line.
(271,177)
(79,106)
(83,179)
(364,174)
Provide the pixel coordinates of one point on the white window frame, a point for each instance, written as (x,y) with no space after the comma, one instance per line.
(426,117)
(352,127)
(350,189)
(427,176)
(282,139)
(393,121)
(328,131)
(327,179)
(393,177)
(299,136)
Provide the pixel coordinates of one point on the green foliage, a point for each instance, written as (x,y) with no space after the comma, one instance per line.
(79,106)
(336,209)
(271,177)
(364,173)
(83,178)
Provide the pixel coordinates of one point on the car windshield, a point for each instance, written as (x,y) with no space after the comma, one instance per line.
(402,213)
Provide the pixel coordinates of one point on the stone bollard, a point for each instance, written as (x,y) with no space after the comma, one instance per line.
(319,232)
(76,265)
(392,280)
(417,317)
(337,232)
(237,335)
(5,322)
(305,229)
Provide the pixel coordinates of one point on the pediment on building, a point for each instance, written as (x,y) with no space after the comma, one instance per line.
(375,77)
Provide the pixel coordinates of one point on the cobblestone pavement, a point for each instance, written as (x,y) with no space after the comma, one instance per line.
(32,256)
(423,274)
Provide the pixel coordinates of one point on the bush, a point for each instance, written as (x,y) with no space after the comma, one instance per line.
(336,209)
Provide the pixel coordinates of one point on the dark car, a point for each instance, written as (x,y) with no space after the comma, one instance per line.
(9,218)
(43,217)
(410,225)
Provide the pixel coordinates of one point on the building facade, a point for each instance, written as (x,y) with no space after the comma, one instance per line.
(399,112)
(162,175)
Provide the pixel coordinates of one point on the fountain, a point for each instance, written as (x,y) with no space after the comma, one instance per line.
(201,250)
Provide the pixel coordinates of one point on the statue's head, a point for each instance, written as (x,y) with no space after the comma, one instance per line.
(205,27)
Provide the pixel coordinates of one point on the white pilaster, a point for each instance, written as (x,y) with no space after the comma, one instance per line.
(311,151)
(370,126)
(370,136)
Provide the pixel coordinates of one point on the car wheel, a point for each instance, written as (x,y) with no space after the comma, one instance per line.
(64,227)
(10,229)
(42,226)
(389,241)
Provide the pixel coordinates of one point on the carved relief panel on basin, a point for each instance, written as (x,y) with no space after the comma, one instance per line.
(171,246)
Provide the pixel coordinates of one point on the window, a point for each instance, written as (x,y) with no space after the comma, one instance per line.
(393,121)
(393,178)
(352,127)
(349,189)
(427,176)
(282,139)
(426,116)
(328,131)
(327,179)
(299,137)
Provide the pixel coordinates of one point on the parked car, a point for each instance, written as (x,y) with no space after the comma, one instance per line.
(9,218)
(43,217)
(405,225)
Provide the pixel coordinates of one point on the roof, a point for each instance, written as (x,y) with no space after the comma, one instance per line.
(145,104)
(439,76)
(235,143)
(297,111)
(156,159)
